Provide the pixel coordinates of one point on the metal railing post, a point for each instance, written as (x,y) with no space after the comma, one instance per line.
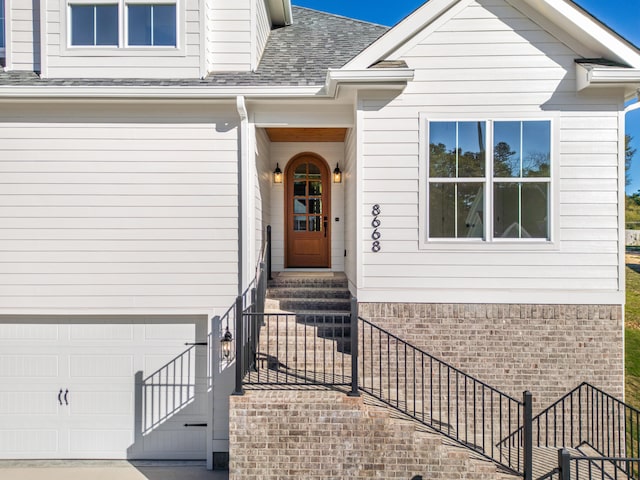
(564,464)
(528,435)
(239,346)
(354,349)
(269,252)
(262,291)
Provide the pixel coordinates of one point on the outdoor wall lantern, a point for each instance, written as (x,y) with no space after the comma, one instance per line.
(337,175)
(225,341)
(277,174)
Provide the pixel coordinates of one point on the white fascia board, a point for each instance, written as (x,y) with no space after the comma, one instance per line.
(162,93)
(586,28)
(400,33)
(596,76)
(280,12)
(379,78)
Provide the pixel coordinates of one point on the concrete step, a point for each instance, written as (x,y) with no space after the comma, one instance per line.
(314,304)
(308,280)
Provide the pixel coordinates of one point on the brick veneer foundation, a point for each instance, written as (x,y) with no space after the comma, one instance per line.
(547,349)
(321,434)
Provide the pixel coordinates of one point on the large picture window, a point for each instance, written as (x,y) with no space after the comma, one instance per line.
(486,189)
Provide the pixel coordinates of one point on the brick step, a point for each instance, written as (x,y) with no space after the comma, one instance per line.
(279,293)
(308,281)
(302,305)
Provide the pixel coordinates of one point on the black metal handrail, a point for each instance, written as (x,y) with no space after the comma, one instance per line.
(443,397)
(583,467)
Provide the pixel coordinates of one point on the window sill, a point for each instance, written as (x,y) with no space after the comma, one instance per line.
(124,52)
(505,245)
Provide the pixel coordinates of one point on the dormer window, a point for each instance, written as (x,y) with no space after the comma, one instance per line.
(123,23)
(152,25)
(94,25)
(1,28)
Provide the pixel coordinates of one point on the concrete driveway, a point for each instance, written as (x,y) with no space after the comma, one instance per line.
(106,470)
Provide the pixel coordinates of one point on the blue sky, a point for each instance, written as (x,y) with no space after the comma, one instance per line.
(623,16)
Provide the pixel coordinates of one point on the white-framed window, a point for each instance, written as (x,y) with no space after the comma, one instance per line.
(123,23)
(2,28)
(151,24)
(488,180)
(94,25)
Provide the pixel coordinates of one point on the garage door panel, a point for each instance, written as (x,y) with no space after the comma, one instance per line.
(187,442)
(102,442)
(101,333)
(101,366)
(174,334)
(33,333)
(15,442)
(105,403)
(29,403)
(29,366)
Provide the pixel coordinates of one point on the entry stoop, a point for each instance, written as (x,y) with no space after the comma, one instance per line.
(319,299)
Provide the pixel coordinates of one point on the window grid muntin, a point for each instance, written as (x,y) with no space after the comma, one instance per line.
(490,180)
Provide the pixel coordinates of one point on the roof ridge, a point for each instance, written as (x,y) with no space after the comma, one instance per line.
(344,17)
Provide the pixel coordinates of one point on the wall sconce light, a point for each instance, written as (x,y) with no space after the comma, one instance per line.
(225,341)
(277,174)
(337,175)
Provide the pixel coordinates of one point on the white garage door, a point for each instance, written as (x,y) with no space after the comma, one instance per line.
(89,390)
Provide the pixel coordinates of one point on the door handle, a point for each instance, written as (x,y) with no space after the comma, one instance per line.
(325,226)
(66,392)
(60,397)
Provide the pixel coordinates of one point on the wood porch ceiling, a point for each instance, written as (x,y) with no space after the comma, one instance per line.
(306,134)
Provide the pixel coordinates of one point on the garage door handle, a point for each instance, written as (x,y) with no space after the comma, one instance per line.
(66,392)
(60,397)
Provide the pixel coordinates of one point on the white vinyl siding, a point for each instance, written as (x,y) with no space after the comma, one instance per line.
(228,33)
(65,61)
(262,188)
(263,28)
(23,35)
(349,179)
(477,64)
(101,215)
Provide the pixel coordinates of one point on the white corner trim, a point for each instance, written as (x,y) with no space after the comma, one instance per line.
(404,30)
(392,78)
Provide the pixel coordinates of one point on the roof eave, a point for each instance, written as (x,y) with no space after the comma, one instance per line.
(280,12)
(380,79)
(594,76)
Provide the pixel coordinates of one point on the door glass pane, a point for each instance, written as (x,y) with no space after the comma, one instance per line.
(506,149)
(299,205)
(536,149)
(442,149)
(442,210)
(300,223)
(470,205)
(315,205)
(506,210)
(315,224)
(471,149)
(315,188)
(300,171)
(314,171)
(300,189)
(535,206)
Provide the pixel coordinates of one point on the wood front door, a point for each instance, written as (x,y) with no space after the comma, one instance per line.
(307,213)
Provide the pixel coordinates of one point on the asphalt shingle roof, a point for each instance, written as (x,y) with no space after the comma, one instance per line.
(295,55)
